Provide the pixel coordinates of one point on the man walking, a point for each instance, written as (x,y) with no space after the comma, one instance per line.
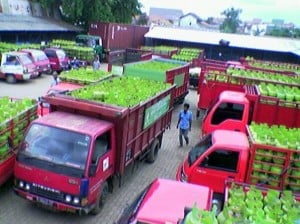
(184,124)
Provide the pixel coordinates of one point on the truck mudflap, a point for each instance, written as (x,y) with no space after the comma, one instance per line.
(52,204)
(6,165)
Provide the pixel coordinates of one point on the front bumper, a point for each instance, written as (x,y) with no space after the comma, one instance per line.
(51,204)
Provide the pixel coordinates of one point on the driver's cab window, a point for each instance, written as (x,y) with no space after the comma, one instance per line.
(227,111)
(101,146)
(12,60)
(222,160)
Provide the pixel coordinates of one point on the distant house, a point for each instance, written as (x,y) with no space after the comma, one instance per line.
(164,16)
(190,20)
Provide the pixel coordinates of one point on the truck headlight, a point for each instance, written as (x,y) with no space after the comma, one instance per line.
(68,198)
(76,200)
(21,184)
(183,177)
(27,187)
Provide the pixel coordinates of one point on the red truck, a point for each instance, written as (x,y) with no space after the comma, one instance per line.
(224,154)
(164,201)
(215,78)
(59,61)
(234,110)
(12,131)
(245,203)
(165,70)
(69,157)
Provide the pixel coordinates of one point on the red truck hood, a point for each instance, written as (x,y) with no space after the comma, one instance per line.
(47,179)
(166,200)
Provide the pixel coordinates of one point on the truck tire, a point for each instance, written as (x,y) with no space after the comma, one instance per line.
(11,78)
(152,154)
(101,199)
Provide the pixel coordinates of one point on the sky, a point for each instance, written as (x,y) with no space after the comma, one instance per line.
(288,10)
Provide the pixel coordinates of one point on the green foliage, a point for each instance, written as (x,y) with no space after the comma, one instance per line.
(124,11)
(187,54)
(280,32)
(253,207)
(84,76)
(124,91)
(231,21)
(82,13)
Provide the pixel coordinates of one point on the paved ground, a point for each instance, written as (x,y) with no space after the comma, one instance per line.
(14,210)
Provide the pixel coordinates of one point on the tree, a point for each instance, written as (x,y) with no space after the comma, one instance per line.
(82,13)
(124,11)
(231,21)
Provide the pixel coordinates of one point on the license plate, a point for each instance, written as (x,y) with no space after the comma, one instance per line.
(45,201)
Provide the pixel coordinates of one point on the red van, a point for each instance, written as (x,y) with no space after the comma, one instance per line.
(40,60)
(59,60)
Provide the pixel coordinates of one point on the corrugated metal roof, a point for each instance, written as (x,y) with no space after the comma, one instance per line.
(235,40)
(31,23)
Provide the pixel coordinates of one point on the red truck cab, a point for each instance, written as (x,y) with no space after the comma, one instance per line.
(230,112)
(234,110)
(219,156)
(164,201)
(40,60)
(59,163)
(59,61)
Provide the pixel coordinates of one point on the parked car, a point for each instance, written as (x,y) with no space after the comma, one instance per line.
(17,66)
(40,60)
(59,60)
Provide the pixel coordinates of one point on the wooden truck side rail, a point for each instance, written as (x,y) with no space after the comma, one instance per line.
(273,167)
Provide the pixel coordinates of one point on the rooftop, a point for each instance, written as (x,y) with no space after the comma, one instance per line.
(235,40)
(10,22)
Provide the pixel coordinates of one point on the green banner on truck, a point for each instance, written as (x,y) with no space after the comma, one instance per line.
(179,80)
(155,111)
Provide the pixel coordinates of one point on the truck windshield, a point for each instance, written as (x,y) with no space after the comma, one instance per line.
(199,149)
(25,59)
(87,42)
(55,149)
(60,54)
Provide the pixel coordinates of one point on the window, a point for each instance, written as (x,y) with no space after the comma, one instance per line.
(222,160)
(102,145)
(227,111)
(50,54)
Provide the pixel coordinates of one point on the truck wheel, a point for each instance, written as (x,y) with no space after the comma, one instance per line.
(152,154)
(101,199)
(11,79)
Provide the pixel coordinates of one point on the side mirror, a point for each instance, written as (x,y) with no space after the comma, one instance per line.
(92,171)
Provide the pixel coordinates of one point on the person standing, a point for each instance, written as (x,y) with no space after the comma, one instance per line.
(184,124)
(55,79)
(96,63)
